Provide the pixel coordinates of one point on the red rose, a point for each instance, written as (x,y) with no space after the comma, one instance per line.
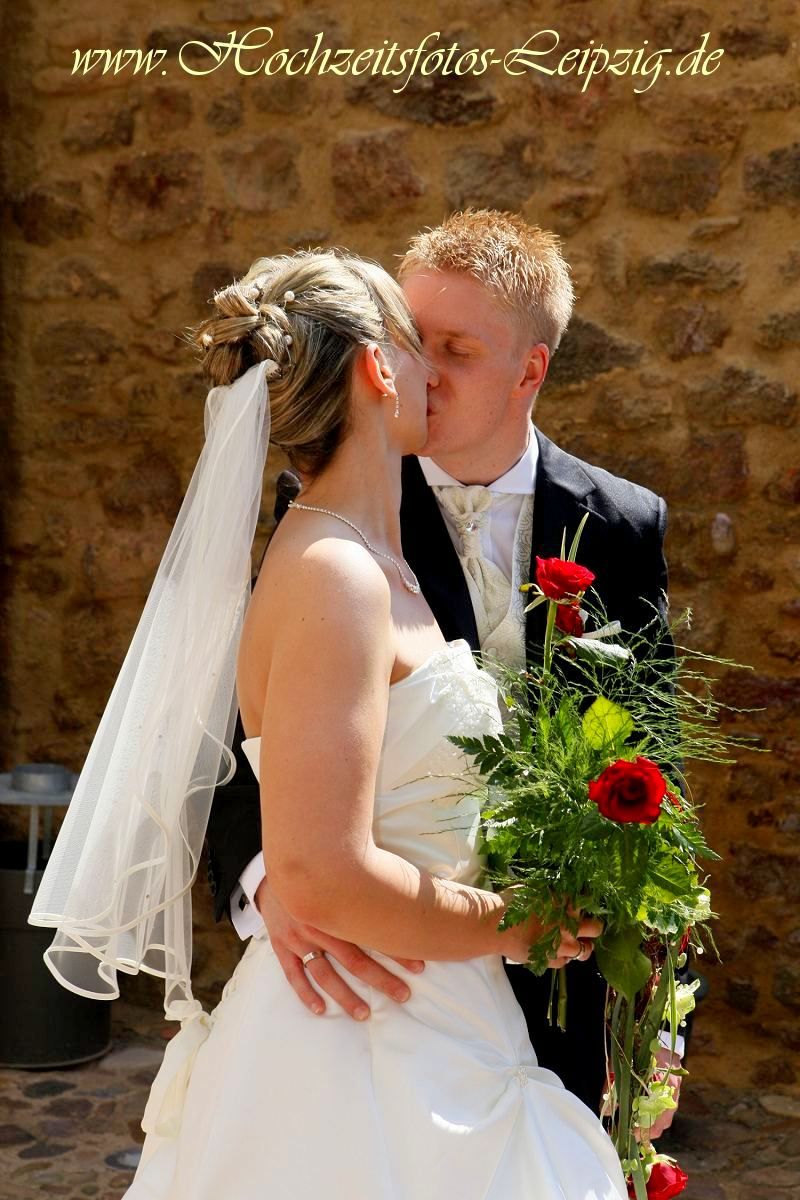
(666,1181)
(569,620)
(629,791)
(684,946)
(560,579)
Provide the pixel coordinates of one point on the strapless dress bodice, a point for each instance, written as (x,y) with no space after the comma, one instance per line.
(426,807)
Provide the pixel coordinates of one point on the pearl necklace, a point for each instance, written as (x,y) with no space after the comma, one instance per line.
(411,587)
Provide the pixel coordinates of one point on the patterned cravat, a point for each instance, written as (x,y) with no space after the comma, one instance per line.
(490,590)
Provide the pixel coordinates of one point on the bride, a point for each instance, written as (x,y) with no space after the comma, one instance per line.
(348,692)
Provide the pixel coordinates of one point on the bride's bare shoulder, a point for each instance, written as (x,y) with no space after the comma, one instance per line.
(300,557)
(312,582)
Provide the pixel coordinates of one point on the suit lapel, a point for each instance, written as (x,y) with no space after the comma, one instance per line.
(430,553)
(563,494)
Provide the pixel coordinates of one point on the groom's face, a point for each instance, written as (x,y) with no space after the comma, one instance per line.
(480,357)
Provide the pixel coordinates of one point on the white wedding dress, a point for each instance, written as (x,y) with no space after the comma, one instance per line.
(439,1097)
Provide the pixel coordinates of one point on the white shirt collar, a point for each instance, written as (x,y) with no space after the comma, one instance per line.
(518,480)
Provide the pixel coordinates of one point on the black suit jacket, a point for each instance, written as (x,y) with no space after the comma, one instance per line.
(622,543)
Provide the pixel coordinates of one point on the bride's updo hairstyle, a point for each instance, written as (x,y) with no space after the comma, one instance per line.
(308,314)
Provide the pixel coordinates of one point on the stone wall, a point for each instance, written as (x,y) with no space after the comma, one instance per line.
(128,199)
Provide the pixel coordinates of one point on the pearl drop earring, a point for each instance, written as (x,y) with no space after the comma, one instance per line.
(396,404)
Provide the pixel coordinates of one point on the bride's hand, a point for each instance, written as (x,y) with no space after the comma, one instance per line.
(292,939)
(572,947)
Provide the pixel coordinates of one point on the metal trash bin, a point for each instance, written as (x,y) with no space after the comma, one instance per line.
(44,1025)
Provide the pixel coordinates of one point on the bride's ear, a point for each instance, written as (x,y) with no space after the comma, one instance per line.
(378,369)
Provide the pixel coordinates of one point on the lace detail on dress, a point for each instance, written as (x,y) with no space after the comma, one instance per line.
(460,698)
(469,691)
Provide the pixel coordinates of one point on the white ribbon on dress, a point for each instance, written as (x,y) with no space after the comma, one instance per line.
(163,1112)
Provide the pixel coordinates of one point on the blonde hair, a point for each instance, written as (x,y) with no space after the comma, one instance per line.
(520,263)
(308,314)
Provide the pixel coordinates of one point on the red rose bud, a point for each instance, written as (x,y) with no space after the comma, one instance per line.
(684,946)
(676,801)
(656,950)
(666,1180)
(569,620)
(629,791)
(560,580)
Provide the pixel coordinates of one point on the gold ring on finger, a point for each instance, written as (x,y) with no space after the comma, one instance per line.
(311,955)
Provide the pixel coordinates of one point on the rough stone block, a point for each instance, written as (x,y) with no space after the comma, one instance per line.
(486,178)
(586,351)
(774,178)
(100,127)
(690,269)
(665,183)
(429,100)
(49,212)
(261,175)
(154,194)
(372,173)
(690,329)
(778,330)
(740,396)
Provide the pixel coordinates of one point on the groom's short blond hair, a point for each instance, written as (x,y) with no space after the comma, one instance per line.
(520,263)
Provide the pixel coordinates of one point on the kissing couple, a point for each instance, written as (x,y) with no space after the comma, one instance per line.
(420,495)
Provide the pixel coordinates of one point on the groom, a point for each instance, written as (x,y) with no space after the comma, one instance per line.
(489,493)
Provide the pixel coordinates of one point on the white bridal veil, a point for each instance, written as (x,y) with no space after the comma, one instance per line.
(117,886)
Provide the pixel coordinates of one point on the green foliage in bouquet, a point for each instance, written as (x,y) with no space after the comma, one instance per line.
(587,810)
(542,829)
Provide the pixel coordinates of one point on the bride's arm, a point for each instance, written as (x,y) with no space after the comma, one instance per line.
(323,726)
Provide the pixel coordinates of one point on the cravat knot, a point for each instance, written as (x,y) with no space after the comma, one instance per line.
(469,508)
(490,590)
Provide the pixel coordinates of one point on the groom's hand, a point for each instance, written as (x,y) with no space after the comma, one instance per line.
(292,939)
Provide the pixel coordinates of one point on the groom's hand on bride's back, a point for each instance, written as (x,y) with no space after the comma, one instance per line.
(292,939)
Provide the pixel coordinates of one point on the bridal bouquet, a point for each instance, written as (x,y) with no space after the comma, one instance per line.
(587,809)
